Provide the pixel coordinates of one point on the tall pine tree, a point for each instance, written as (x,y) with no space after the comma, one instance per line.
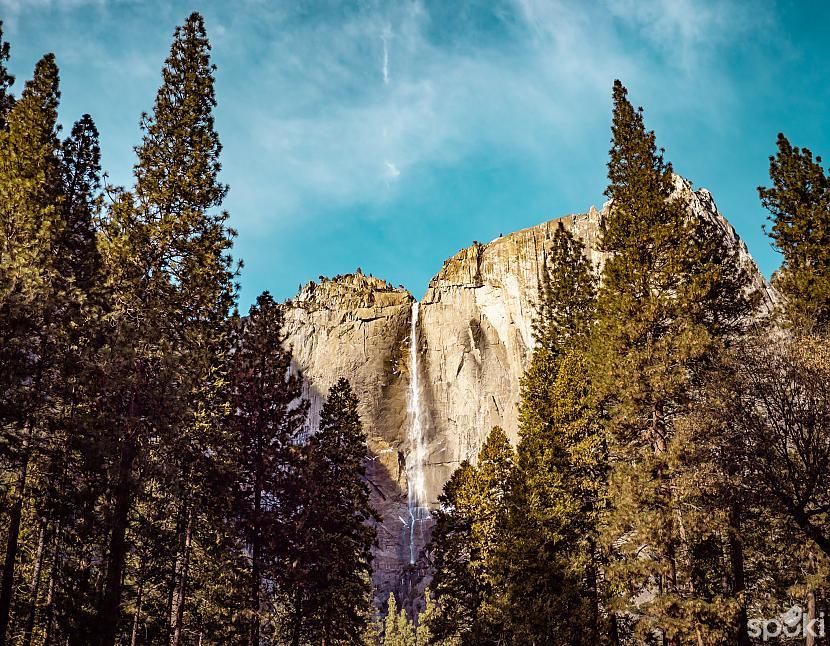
(167,253)
(464,548)
(672,293)
(549,553)
(266,420)
(397,629)
(329,580)
(69,460)
(32,307)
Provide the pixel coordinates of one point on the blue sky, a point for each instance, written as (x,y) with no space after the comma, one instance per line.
(388,135)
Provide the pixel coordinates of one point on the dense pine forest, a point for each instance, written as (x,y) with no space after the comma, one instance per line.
(159,484)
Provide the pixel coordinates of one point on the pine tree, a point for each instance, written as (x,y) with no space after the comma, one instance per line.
(549,551)
(70,460)
(331,583)
(166,248)
(29,198)
(81,162)
(50,313)
(459,594)
(565,313)
(799,201)
(397,630)
(267,422)
(464,547)
(6,81)
(423,634)
(30,308)
(672,294)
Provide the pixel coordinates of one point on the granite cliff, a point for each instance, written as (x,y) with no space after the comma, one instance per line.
(472,343)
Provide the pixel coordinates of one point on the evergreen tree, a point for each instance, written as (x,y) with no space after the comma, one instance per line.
(459,594)
(549,544)
(166,250)
(330,585)
(31,308)
(267,421)
(81,162)
(672,294)
(565,313)
(30,197)
(397,629)
(70,459)
(799,201)
(50,311)
(464,547)
(423,634)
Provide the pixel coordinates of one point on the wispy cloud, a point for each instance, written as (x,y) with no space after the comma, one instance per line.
(689,32)
(385,36)
(331,109)
(341,131)
(392,172)
(15,7)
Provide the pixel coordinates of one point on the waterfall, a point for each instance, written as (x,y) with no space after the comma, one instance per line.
(415,478)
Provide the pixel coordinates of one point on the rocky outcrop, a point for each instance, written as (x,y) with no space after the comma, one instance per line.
(475,339)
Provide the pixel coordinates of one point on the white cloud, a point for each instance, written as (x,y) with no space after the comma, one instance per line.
(392,171)
(385,66)
(688,31)
(328,124)
(340,108)
(17,6)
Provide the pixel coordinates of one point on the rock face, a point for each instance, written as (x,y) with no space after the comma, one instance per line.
(356,327)
(473,343)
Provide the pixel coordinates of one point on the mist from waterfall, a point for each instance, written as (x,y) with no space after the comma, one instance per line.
(415,460)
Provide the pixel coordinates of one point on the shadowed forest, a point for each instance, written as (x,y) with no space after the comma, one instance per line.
(159,483)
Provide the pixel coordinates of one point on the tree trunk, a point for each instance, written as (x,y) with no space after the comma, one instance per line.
(592,581)
(736,563)
(177,609)
(253,639)
(138,606)
(658,431)
(15,514)
(614,630)
(50,590)
(810,639)
(256,544)
(810,636)
(296,630)
(110,610)
(34,588)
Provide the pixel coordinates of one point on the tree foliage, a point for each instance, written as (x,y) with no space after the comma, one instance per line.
(799,204)
(464,547)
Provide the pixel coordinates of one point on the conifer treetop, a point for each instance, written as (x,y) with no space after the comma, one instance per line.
(178,160)
(567,294)
(799,204)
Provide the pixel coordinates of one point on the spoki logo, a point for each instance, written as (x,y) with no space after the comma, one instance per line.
(792,624)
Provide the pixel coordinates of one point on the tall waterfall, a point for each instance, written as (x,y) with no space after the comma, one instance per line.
(415,460)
